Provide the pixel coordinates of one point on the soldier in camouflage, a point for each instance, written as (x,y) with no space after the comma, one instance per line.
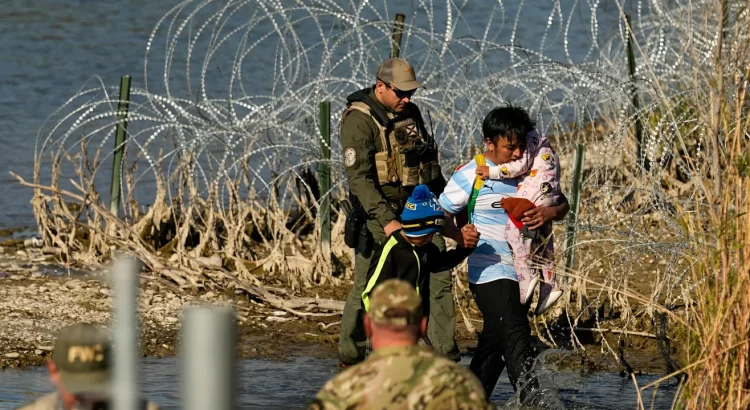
(399,374)
(387,152)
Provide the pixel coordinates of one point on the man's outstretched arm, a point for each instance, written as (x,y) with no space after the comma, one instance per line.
(466,238)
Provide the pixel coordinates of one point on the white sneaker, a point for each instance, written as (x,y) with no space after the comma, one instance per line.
(530,290)
(547,299)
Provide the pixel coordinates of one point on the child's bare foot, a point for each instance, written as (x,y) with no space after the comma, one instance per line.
(483,171)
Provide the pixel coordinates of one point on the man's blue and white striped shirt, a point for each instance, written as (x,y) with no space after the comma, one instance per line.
(492,259)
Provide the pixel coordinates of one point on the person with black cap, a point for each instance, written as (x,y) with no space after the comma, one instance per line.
(387,151)
(81,371)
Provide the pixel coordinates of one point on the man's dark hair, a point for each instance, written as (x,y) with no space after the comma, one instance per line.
(509,122)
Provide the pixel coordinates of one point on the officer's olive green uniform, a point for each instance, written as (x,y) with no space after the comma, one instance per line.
(382,182)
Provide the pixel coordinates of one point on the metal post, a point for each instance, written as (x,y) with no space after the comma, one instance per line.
(398,30)
(570,231)
(324,168)
(642,160)
(208,357)
(120,131)
(125,282)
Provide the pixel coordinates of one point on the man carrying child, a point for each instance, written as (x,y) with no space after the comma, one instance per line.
(493,279)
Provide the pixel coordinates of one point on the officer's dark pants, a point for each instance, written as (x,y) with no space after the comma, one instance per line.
(506,333)
(441,326)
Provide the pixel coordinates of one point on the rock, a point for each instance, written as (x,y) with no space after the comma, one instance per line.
(2,249)
(174,257)
(45,348)
(15,277)
(170,319)
(105,291)
(21,253)
(13,355)
(43,289)
(33,243)
(52,285)
(209,295)
(36,275)
(279,313)
(38,352)
(73,284)
(35,268)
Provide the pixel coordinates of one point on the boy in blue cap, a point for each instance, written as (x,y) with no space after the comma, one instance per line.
(409,253)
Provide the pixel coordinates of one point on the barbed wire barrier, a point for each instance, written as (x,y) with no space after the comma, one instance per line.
(219,186)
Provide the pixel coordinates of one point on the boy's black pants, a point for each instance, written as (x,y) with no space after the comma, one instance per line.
(506,333)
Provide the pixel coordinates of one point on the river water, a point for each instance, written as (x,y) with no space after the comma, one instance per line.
(279,385)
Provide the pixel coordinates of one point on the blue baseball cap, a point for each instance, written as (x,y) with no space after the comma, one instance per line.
(422,213)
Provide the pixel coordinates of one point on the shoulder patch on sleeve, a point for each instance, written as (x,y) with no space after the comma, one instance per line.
(350,157)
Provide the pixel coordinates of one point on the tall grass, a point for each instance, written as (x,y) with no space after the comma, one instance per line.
(715,214)
(717,344)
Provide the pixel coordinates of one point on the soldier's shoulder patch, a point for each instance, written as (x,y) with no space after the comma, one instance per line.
(350,157)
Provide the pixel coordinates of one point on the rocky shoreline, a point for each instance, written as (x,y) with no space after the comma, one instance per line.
(38,297)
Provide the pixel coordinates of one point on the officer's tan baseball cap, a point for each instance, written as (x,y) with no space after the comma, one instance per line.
(395,302)
(398,73)
(82,355)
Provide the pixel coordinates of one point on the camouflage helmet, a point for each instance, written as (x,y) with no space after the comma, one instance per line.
(395,302)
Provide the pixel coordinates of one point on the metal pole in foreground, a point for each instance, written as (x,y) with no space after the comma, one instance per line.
(208,356)
(120,130)
(398,31)
(324,169)
(125,281)
(570,231)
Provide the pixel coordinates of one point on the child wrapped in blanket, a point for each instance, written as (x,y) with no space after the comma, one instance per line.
(538,171)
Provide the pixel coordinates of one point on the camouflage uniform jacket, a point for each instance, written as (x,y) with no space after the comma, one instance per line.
(403,378)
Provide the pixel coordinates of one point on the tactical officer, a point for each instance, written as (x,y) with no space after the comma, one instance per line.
(399,374)
(80,371)
(387,152)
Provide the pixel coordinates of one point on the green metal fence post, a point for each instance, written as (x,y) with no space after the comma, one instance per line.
(398,31)
(324,169)
(570,231)
(642,160)
(120,131)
